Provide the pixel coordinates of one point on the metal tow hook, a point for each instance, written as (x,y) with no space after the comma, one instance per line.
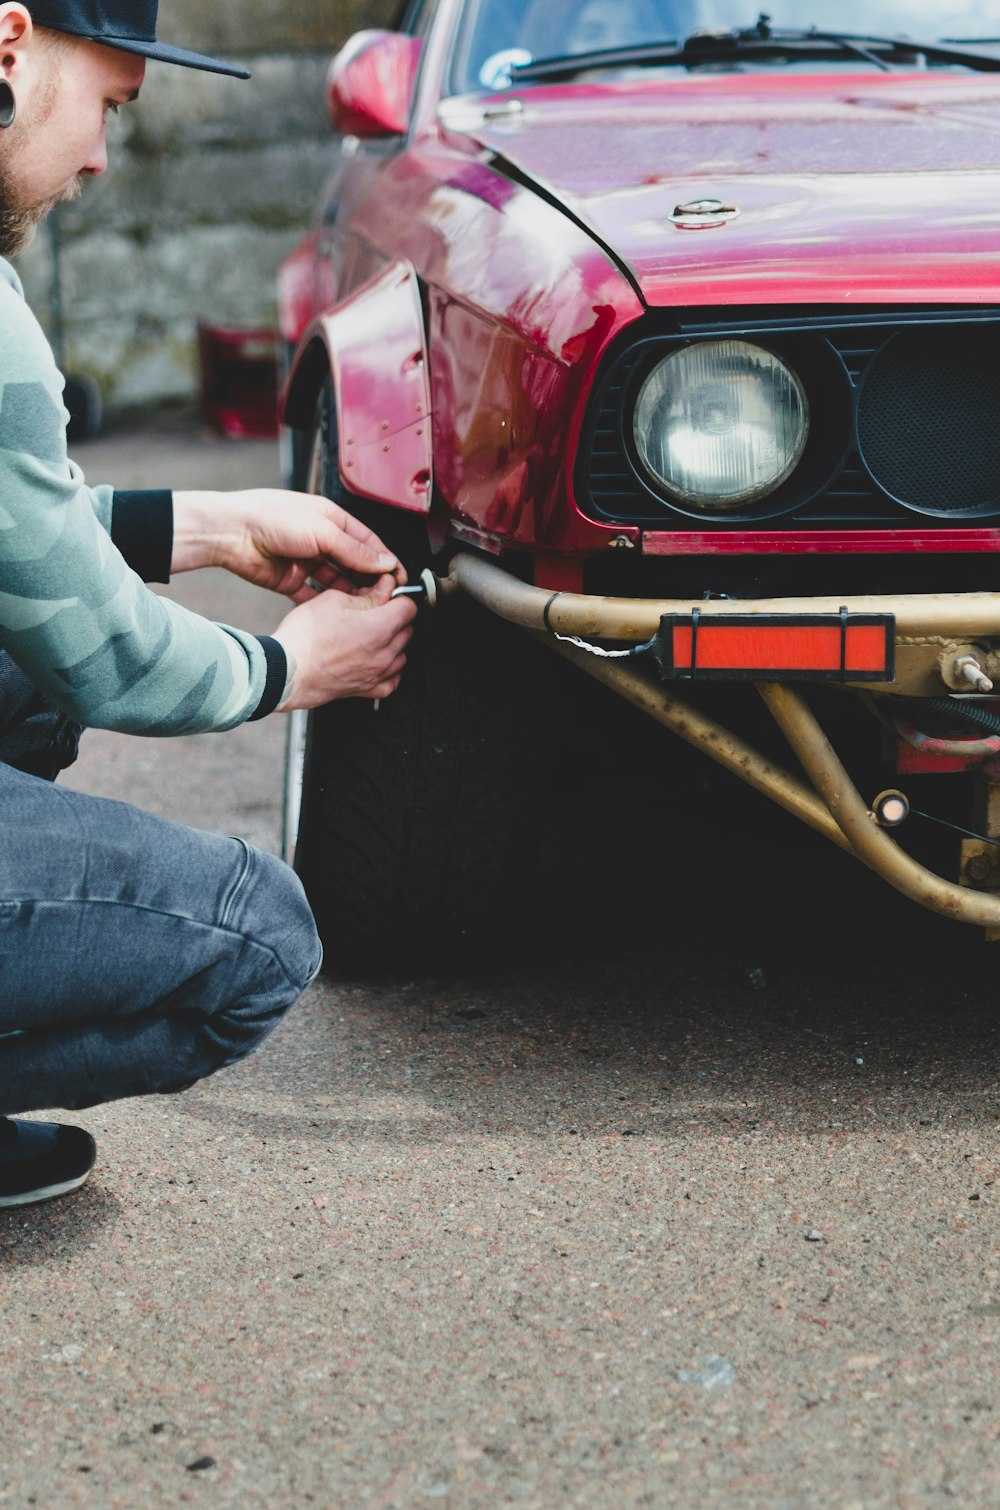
(424,593)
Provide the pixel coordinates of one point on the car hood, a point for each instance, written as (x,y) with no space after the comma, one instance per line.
(861,188)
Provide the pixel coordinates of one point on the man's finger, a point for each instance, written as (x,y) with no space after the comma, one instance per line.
(399,641)
(358,531)
(384,689)
(379,597)
(403,611)
(368,556)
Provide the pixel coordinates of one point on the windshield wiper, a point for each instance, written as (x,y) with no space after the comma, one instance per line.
(942,51)
(756,42)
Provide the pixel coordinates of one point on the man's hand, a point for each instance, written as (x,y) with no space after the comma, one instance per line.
(346,646)
(280,540)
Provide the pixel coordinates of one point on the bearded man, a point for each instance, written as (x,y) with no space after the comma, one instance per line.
(136,956)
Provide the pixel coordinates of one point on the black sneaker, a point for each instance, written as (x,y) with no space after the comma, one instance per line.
(39,1160)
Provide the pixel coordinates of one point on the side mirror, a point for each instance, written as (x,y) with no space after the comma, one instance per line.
(369,90)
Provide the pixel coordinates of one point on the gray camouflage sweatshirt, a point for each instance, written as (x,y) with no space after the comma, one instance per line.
(74,612)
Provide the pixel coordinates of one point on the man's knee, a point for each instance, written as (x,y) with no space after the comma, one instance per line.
(275,915)
(278,955)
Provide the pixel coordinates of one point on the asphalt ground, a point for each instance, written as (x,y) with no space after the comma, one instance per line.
(693,1203)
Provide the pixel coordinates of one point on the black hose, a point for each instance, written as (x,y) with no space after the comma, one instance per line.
(972,711)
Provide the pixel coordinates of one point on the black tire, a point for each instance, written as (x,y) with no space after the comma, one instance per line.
(421,822)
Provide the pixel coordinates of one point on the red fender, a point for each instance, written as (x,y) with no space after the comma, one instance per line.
(373,346)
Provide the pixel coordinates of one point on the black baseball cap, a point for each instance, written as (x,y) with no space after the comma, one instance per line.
(128,25)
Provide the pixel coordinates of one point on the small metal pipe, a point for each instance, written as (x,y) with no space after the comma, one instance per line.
(870,843)
(950,615)
(707,736)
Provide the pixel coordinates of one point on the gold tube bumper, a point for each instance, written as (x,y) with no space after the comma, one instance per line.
(953,616)
(835,808)
(932,629)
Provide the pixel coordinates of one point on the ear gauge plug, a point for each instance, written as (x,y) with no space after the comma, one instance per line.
(8,105)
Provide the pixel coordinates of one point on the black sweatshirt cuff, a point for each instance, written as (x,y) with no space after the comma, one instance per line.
(142,527)
(277,676)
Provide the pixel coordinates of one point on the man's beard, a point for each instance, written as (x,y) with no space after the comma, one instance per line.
(19,226)
(19,222)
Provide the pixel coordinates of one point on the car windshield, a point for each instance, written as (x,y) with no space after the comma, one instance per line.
(498,35)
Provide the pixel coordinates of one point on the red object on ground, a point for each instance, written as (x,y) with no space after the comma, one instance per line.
(239,380)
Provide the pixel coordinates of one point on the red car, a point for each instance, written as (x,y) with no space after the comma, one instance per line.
(667,334)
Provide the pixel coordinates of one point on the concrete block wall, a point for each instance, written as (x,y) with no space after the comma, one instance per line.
(212,182)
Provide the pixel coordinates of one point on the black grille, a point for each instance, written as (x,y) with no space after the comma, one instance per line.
(929,420)
(905,414)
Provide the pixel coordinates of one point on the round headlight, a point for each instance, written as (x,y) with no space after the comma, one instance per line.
(721,423)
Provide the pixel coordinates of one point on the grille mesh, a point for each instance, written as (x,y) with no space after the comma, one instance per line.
(929,420)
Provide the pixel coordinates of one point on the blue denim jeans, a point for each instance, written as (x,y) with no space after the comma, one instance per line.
(136,956)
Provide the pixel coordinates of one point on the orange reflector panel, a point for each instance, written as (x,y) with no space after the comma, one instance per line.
(775,647)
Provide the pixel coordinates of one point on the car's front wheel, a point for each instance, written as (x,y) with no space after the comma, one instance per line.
(418,823)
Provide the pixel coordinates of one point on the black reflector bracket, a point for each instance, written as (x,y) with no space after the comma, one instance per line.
(816,647)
